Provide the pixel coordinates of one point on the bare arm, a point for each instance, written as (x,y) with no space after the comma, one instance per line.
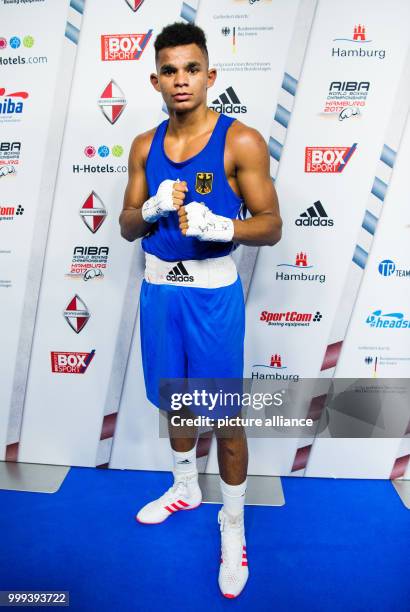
(132,224)
(257,190)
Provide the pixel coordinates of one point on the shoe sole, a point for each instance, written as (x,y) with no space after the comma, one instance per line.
(159,522)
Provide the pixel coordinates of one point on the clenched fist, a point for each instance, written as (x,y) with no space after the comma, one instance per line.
(169,197)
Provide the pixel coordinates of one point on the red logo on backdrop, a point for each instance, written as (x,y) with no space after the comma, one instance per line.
(328,159)
(112,102)
(76,314)
(70,362)
(93,212)
(359,32)
(134,4)
(120,47)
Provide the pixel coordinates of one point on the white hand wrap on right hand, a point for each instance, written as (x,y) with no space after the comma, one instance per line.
(206,225)
(161,204)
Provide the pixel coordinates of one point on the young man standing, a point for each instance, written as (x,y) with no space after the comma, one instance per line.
(188,179)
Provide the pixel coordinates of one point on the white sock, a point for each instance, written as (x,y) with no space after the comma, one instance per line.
(233,497)
(184,463)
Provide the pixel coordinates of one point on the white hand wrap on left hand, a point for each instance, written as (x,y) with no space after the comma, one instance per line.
(205,225)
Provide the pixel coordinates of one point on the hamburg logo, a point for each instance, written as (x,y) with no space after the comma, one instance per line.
(112,102)
(93,212)
(276,365)
(120,47)
(70,362)
(134,4)
(76,314)
(301,261)
(315,216)
(359,35)
(359,45)
(204,182)
(328,159)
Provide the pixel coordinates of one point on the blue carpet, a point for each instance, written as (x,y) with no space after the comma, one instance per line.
(335,545)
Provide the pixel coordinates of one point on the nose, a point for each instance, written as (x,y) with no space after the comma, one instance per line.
(180,78)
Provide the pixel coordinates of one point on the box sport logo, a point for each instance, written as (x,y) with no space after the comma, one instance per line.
(76,314)
(204,182)
(11,105)
(70,362)
(93,212)
(346,99)
(314,216)
(228,102)
(112,102)
(387,267)
(88,262)
(276,365)
(123,47)
(291,318)
(360,44)
(134,4)
(9,157)
(8,213)
(179,274)
(300,262)
(391,320)
(328,159)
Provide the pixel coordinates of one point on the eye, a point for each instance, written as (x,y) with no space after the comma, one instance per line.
(194,69)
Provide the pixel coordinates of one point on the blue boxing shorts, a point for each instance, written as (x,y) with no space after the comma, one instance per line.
(192,321)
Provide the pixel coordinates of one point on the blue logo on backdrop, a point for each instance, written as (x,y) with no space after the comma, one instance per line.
(387,267)
(392,320)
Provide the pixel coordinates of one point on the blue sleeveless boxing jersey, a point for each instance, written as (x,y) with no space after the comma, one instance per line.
(205,177)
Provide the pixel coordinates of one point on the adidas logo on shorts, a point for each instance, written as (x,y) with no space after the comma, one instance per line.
(179,274)
(228,102)
(314,216)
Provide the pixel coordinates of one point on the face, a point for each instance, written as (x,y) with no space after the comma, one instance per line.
(183,77)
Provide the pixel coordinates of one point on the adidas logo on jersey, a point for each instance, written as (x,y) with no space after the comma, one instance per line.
(314,216)
(228,102)
(179,274)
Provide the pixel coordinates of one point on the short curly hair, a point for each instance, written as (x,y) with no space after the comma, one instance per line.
(180,33)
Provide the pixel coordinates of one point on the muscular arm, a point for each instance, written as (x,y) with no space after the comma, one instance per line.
(251,158)
(132,224)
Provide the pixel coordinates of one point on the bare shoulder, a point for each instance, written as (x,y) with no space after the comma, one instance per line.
(245,142)
(140,147)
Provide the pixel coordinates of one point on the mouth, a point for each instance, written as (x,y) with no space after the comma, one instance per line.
(181,97)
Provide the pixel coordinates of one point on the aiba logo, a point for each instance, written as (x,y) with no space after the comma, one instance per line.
(93,212)
(301,261)
(228,103)
(134,4)
(70,362)
(11,105)
(358,45)
(387,267)
(314,216)
(328,159)
(112,102)
(273,370)
(391,320)
(9,157)
(76,314)
(123,47)
(291,318)
(9,213)
(346,99)
(88,262)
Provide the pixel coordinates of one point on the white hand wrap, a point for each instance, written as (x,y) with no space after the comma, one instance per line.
(161,204)
(205,225)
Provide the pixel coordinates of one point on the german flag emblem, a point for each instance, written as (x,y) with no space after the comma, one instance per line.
(204,182)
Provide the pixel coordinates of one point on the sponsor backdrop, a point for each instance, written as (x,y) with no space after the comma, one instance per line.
(329,91)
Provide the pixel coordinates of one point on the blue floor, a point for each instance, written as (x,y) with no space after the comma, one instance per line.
(335,545)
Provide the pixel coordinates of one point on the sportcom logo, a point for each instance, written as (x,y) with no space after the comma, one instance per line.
(314,216)
(228,102)
(93,212)
(11,105)
(8,213)
(291,318)
(328,159)
(179,274)
(70,362)
(123,47)
(112,102)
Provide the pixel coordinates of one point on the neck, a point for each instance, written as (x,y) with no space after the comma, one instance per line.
(181,124)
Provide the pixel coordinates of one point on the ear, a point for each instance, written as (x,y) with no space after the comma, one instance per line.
(155,81)
(211,77)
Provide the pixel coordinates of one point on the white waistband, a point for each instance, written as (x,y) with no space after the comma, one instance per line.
(205,273)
